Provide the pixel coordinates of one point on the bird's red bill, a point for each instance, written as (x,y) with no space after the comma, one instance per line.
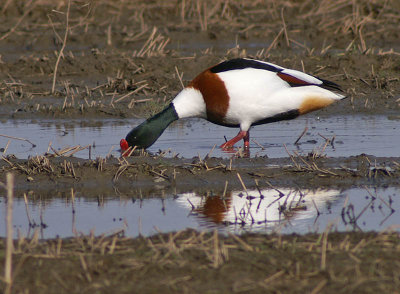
(124,145)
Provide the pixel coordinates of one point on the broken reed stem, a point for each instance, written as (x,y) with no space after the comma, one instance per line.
(273,44)
(17,138)
(183,11)
(27,11)
(226,187)
(209,153)
(316,207)
(109,40)
(324,247)
(128,152)
(284,29)
(292,158)
(5,6)
(216,261)
(27,210)
(302,66)
(319,286)
(62,48)
(258,144)
(5,149)
(9,240)
(179,77)
(130,93)
(243,185)
(301,135)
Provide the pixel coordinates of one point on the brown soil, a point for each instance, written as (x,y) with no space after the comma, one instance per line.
(122,60)
(194,262)
(107,55)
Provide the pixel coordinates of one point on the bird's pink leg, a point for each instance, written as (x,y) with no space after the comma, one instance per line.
(241,135)
(246,140)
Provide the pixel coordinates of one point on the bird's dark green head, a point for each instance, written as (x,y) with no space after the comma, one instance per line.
(144,135)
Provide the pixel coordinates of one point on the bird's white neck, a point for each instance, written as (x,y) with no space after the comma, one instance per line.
(190,103)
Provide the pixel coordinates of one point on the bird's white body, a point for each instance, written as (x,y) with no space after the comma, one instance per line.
(255,94)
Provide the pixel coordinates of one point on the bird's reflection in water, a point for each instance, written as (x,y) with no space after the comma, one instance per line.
(258,209)
(237,152)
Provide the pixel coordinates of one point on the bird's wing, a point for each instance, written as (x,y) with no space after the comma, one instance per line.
(294,77)
(297,78)
(242,63)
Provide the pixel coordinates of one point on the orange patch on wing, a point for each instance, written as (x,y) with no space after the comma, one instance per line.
(214,94)
(312,103)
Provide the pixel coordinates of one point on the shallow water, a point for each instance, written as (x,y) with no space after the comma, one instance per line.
(237,211)
(353,135)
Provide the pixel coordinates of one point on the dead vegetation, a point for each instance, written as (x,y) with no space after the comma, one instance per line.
(137,55)
(328,262)
(146,169)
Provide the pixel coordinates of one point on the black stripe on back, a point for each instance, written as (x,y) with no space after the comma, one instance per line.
(241,63)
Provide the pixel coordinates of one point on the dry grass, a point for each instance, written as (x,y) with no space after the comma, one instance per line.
(186,259)
(357,21)
(154,45)
(128,41)
(308,163)
(64,43)
(9,247)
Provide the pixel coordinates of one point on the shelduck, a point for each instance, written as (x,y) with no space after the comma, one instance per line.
(240,93)
(234,208)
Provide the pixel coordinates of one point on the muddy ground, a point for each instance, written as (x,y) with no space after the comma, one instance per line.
(148,174)
(125,59)
(118,55)
(193,262)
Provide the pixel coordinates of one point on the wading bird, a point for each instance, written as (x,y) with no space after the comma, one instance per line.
(240,93)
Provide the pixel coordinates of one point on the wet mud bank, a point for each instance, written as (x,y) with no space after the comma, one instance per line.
(123,61)
(147,173)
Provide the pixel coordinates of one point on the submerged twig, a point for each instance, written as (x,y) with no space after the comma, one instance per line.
(17,138)
(301,135)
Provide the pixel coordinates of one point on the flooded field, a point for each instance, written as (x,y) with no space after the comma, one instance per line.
(266,211)
(316,216)
(350,135)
